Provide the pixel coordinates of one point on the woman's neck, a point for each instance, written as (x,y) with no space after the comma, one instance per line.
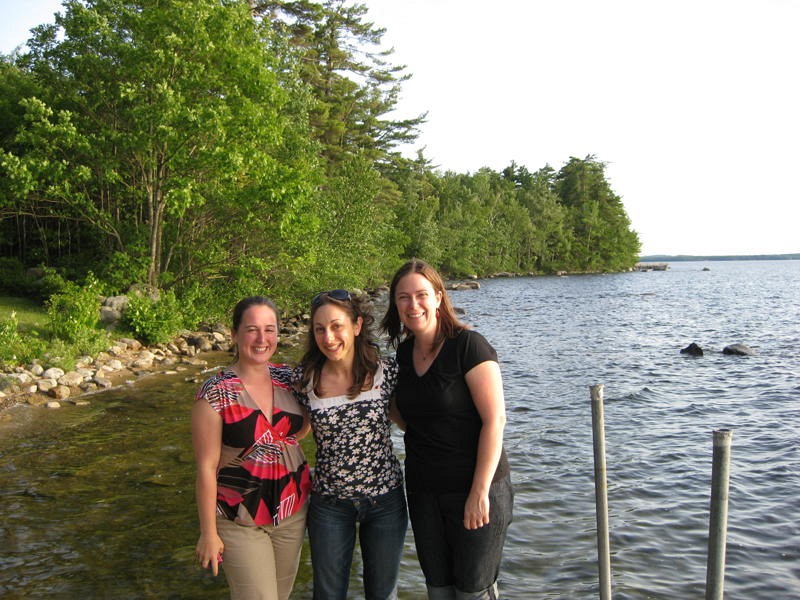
(250,371)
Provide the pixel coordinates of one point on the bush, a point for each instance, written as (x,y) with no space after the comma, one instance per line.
(16,348)
(153,320)
(75,311)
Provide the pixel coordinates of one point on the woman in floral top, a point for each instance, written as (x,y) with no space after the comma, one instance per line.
(252,477)
(358,482)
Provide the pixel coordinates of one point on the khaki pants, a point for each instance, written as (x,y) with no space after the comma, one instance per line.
(260,563)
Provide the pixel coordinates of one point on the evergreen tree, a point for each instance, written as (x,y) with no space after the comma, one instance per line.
(353,83)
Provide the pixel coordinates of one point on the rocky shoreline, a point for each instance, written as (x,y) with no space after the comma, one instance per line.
(125,361)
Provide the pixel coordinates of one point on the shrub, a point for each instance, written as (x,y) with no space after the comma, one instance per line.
(75,311)
(16,348)
(153,320)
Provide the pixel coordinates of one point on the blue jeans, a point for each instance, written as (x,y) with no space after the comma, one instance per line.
(381,522)
(460,563)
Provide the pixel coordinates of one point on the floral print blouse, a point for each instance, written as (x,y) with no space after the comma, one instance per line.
(355,456)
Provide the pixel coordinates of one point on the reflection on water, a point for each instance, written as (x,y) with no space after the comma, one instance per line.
(98,501)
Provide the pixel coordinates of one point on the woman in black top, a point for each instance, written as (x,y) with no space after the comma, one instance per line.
(450,397)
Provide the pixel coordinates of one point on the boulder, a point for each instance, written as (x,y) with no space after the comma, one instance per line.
(53,373)
(60,392)
(692,350)
(464,285)
(144,360)
(46,384)
(109,316)
(71,379)
(102,382)
(738,350)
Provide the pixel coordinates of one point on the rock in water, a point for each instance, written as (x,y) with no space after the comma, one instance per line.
(738,350)
(692,350)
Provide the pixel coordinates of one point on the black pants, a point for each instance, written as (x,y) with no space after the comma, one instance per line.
(450,554)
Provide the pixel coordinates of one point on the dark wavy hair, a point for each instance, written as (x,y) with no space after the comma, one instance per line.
(365,361)
(447,323)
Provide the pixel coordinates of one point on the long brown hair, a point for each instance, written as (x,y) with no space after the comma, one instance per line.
(447,323)
(366,355)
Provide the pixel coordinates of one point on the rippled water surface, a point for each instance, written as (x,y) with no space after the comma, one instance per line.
(98,501)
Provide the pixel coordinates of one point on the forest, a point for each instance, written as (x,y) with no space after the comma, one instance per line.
(210,149)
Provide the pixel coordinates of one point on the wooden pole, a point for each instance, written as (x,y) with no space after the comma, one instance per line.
(718,521)
(600,491)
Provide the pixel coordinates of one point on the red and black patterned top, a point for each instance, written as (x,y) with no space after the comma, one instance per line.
(263,475)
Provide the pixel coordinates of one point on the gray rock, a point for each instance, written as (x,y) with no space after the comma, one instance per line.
(53,373)
(131,343)
(109,316)
(71,379)
(60,392)
(102,382)
(739,350)
(46,384)
(22,377)
(36,369)
(144,360)
(117,303)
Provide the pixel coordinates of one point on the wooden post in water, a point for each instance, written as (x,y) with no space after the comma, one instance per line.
(600,491)
(718,521)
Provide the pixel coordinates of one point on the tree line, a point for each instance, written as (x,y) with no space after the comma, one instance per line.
(219,148)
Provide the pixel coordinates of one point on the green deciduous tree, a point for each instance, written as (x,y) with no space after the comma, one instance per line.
(182,106)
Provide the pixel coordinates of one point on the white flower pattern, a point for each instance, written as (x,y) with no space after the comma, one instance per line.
(355,456)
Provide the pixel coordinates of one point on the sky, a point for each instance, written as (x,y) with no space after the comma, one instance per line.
(693,105)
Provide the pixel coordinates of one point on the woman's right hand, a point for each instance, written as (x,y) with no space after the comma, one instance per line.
(209,551)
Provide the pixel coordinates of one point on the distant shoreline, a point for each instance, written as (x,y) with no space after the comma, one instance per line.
(688,257)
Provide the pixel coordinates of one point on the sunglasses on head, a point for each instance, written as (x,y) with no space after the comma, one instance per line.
(340,295)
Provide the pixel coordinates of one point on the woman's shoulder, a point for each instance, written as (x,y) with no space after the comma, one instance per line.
(282,374)
(216,380)
(475,344)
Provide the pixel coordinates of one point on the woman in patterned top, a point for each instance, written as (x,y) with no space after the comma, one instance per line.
(358,482)
(253,480)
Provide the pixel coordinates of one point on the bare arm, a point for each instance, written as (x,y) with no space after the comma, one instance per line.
(486,386)
(394,414)
(306,428)
(207,442)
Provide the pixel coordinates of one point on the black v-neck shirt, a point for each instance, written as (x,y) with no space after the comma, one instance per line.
(442,423)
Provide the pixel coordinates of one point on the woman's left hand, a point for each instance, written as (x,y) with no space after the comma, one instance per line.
(476,510)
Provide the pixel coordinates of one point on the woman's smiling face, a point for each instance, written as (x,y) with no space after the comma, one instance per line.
(335,332)
(257,336)
(417,302)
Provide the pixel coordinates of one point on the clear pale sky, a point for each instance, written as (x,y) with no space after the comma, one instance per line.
(693,104)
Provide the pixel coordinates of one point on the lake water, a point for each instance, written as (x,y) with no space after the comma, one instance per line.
(97,502)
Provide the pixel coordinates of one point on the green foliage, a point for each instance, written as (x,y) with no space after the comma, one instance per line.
(12,276)
(153,320)
(16,348)
(74,314)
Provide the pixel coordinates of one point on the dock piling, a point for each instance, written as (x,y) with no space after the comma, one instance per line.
(600,491)
(718,519)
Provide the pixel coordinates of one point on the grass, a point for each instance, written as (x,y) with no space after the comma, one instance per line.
(31,315)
